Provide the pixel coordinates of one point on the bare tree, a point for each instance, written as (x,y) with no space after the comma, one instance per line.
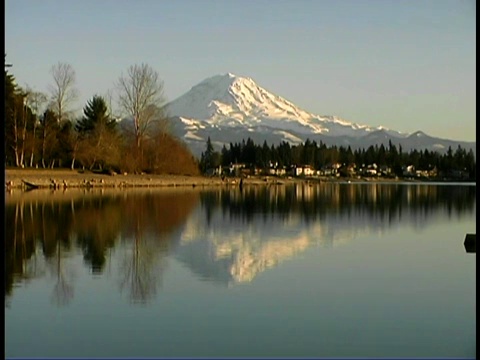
(19,126)
(16,131)
(109,95)
(140,97)
(63,91)
(23,134)
(49,129)
(35,100)
(74,139)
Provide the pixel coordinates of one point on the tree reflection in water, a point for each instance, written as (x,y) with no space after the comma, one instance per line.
(138,265)
(140,275)
(149,223)
(63,291)
(48,227)
(386,202)
(57,246)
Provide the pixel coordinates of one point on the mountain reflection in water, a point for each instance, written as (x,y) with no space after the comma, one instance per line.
(225,236)
(249,231)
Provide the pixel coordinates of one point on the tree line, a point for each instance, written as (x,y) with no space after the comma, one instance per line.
(318,155)
(41,130)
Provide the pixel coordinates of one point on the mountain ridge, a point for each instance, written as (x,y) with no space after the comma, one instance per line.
(229,108)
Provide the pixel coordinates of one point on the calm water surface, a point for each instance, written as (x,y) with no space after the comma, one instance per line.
(334,270)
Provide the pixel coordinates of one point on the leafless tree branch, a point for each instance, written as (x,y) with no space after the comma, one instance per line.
(63,91)
(141,98)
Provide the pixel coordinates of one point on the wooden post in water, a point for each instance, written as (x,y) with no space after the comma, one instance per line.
(470,243)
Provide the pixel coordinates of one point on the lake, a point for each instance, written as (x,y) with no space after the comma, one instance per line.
(328,270)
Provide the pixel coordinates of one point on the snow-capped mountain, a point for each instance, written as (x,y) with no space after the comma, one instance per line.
(229,108)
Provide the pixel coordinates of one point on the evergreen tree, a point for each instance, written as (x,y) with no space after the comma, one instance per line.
(98,143)
(226,156)
(249,152)
(264,155)
(95,113)
(471,165)
(208,158)
(287,155)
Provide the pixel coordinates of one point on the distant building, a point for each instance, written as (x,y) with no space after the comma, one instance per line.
(408,170)
(279,171)
(236,169)
(303,170)
(331,169)
(385,170)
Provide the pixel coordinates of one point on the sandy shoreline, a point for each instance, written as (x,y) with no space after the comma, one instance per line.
(65,178)
(73,179)
(17,179)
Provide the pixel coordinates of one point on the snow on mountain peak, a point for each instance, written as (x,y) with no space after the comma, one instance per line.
(236,101)
(229,108)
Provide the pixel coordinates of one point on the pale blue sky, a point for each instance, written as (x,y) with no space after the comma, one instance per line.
(405,64)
